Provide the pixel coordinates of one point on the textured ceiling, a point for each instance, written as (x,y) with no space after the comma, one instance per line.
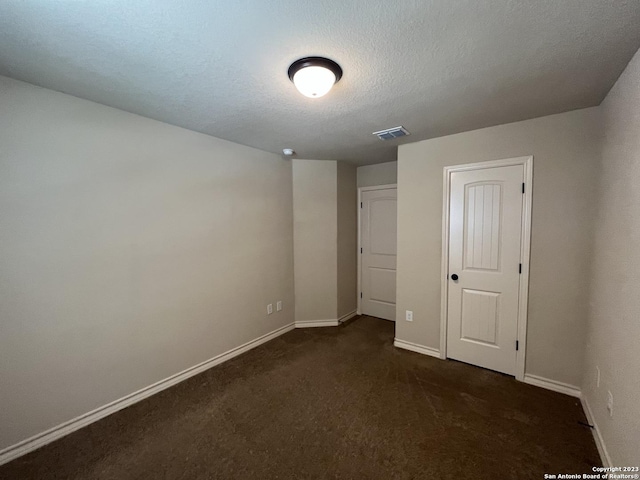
(437,67)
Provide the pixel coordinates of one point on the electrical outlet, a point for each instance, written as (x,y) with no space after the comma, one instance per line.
(409,316)
(270,309)
(610,403)
(279,306)
(597,377)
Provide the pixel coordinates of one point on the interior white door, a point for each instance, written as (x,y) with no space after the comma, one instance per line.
(378,256)
(485,221)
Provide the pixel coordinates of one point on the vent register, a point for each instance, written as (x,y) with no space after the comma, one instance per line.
(391,133)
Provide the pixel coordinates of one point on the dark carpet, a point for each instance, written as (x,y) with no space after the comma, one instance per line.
(338,402)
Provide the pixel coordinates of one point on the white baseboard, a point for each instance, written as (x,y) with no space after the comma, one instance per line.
(348,316)
(48,436)
(414,347)
(330,322)
(602,449)
(317,323)
(554,385)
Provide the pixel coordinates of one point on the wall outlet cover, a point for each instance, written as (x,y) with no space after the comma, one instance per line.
(279,306)
(409,316)
(270,309)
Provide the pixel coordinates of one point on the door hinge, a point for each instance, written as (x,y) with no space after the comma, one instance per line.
(522,187)
(360,249)
(360,204)
(520,269)
(517,345)
(360,294)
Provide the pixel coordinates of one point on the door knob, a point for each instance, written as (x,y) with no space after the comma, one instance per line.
(454,277)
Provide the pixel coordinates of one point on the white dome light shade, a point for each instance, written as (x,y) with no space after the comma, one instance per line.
(314,82)
(314,76)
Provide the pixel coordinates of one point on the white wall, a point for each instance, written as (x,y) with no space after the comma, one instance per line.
(379,174)
(613,342)
(347,203)
(130,250)
(566,151)
(315,239)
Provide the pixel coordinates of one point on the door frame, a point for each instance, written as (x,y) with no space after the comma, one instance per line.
(388,186)
(525,250)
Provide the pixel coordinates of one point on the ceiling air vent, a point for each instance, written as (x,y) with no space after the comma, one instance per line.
(391,133)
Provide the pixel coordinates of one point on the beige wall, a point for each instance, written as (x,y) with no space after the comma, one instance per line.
(130,250)
(614,320)
(325,239)
(315,239)
(566,150)
(347,239)
(379,174)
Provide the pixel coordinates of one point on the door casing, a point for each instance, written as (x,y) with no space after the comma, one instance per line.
(525,248)
(360,190)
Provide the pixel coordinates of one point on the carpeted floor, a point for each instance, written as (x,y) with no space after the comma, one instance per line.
(338,402)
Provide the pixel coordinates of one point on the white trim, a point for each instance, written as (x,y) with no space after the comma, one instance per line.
(389,186)
(330,322)
(602,449)
(414,347)
(317,323)
(48,436)
(525,249)
(444,266)
(386,186)
(525,256)
(348,316)
(553,385)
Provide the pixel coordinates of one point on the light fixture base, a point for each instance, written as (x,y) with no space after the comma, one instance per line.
(315,62)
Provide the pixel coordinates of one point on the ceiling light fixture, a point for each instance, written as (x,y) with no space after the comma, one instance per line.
(314,76)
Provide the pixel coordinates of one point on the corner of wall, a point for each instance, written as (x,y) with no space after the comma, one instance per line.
(611,364)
